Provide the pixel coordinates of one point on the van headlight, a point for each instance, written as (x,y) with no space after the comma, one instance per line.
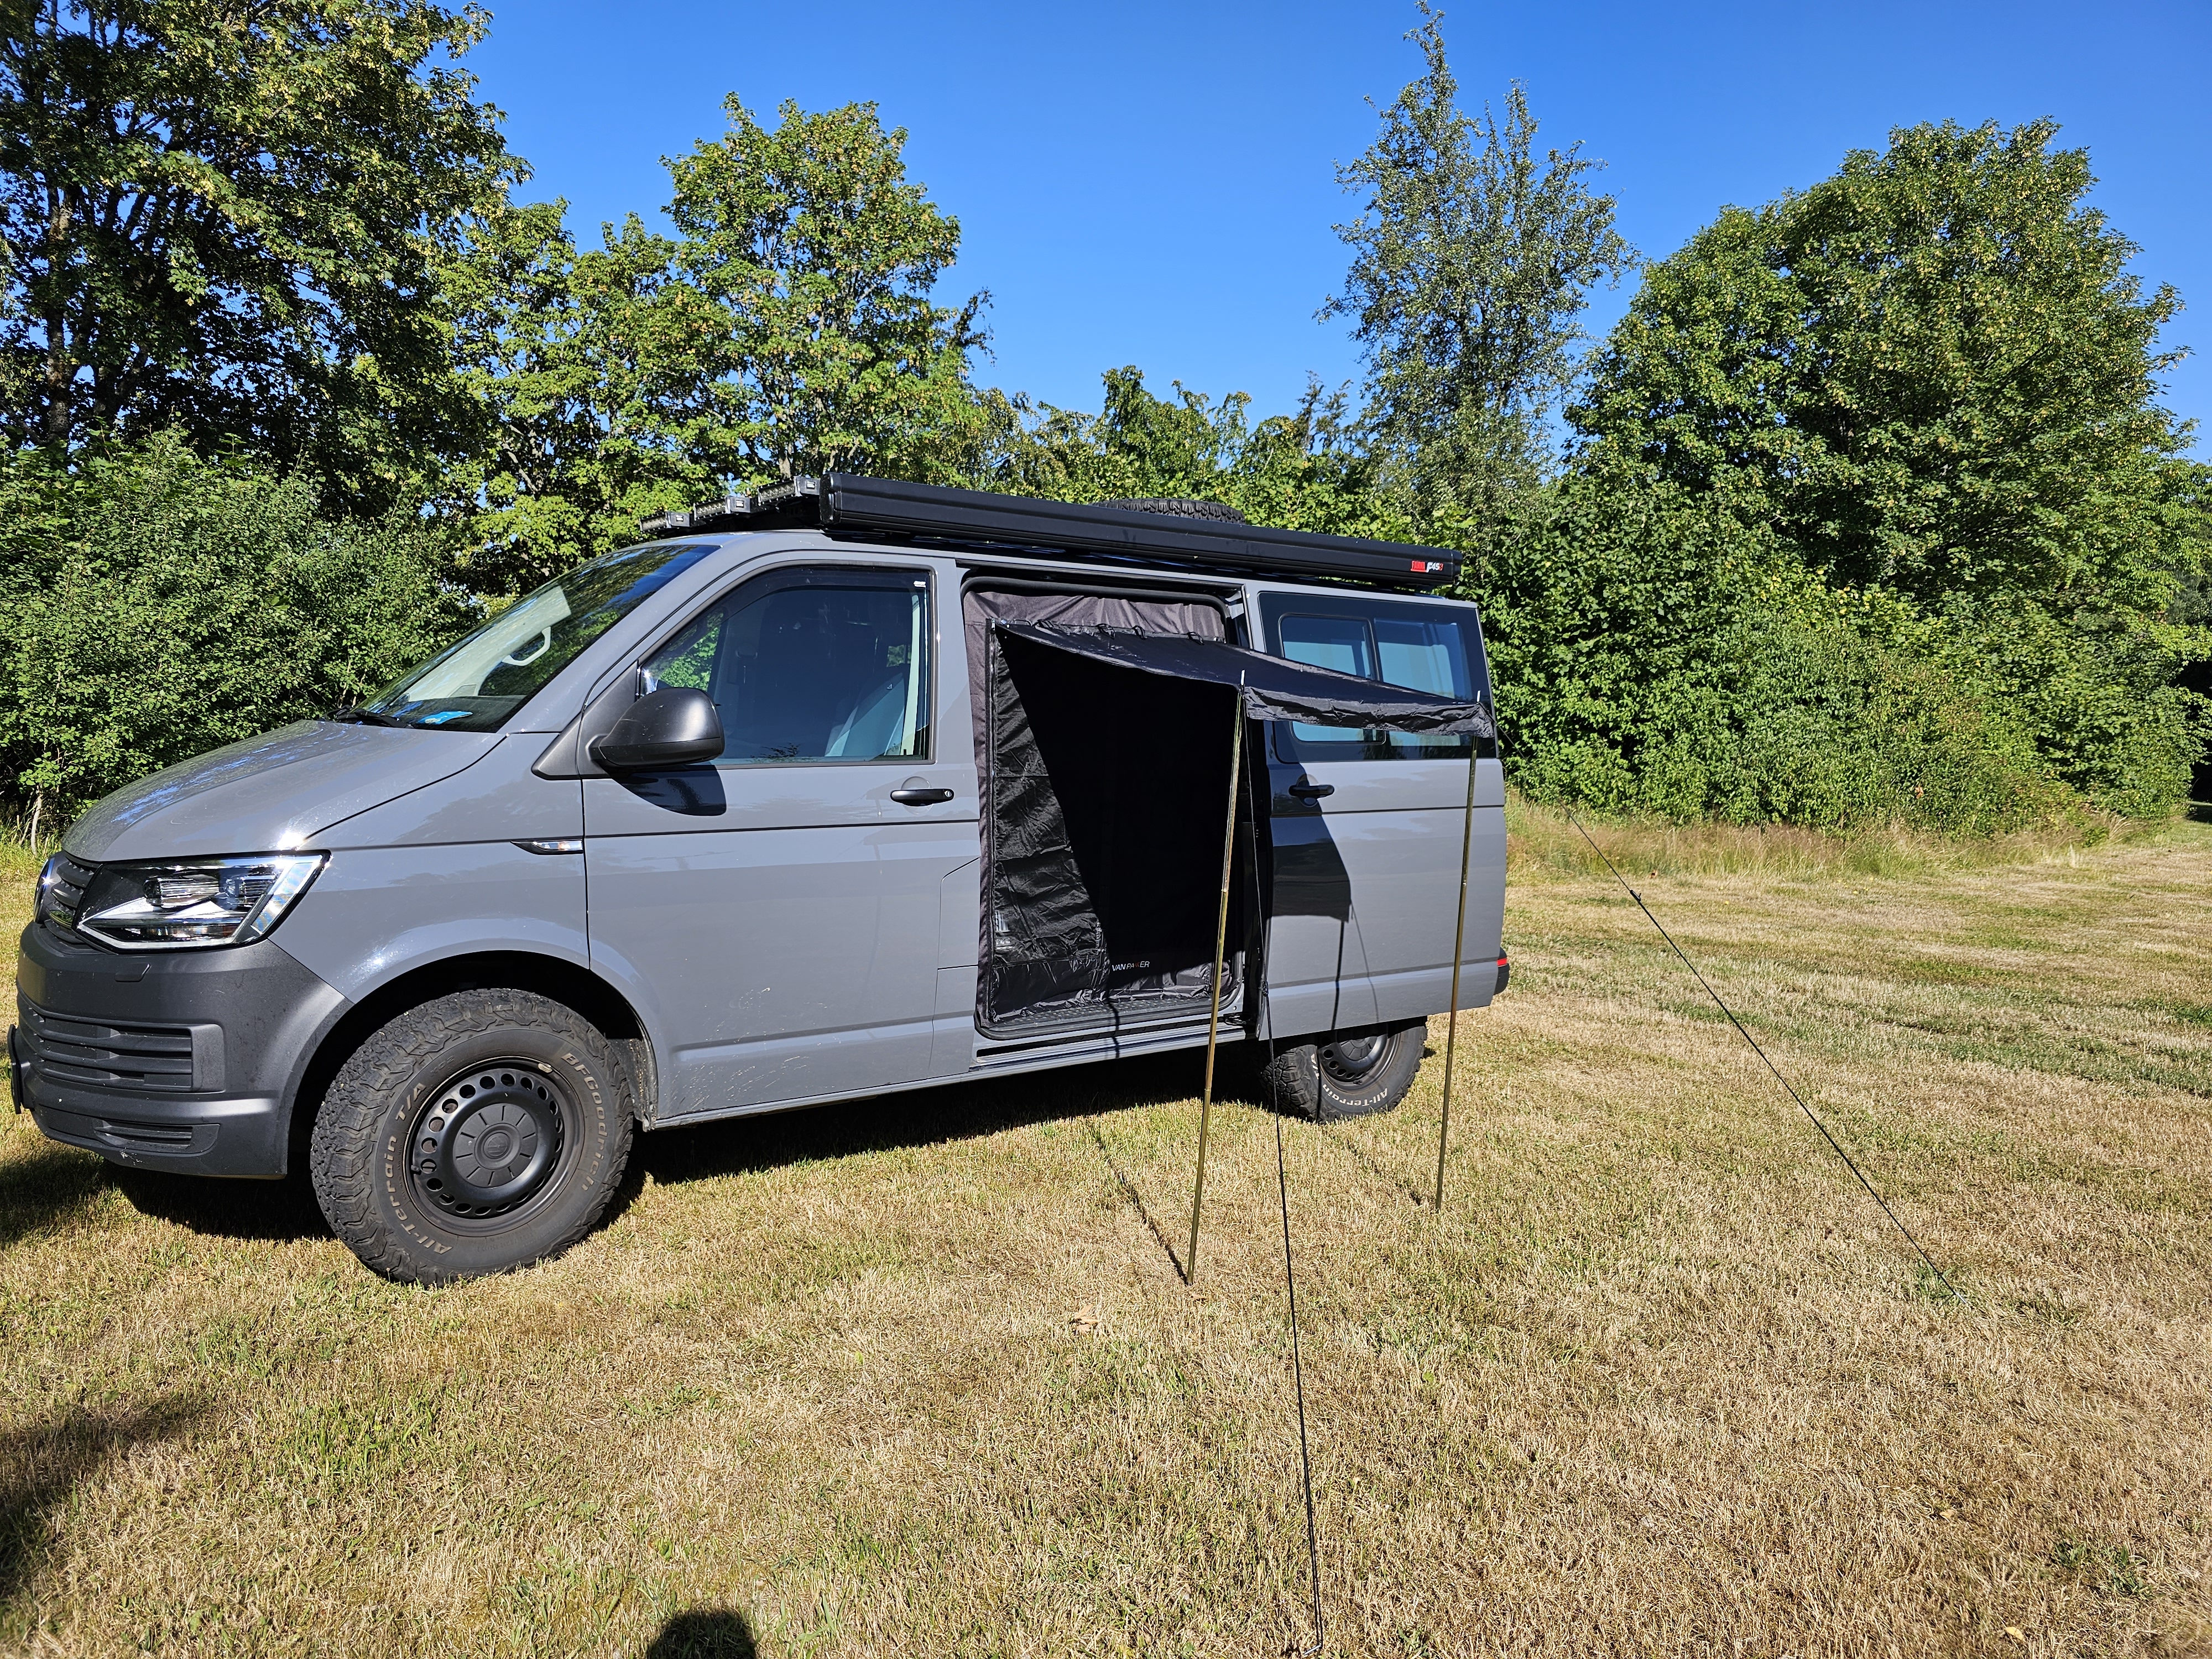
(186,903)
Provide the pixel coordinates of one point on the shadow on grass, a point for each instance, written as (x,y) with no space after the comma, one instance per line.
(38,1190)
(705,1633)
(917,1117)
(928,1117)
(41,1465)
(1397,1180)
(46,1189)
(1136,1201)
(278,1211)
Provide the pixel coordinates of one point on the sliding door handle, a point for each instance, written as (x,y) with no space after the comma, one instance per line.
(920,797)
(1310,791)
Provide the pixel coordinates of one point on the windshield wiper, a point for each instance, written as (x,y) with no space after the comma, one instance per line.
(362,715)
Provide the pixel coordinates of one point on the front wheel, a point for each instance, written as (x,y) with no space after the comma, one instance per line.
(476,1133)
(1347,1073)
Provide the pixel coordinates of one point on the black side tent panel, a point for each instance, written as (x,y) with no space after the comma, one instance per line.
(1101,878)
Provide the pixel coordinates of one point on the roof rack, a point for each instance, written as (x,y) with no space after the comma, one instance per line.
(845,504)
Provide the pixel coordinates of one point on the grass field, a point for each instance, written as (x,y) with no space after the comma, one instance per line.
(920,1377)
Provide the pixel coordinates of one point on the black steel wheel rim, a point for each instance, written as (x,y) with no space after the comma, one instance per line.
(1355,1060)
(489,1143)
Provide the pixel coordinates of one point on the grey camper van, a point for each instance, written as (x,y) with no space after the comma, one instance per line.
(798,802)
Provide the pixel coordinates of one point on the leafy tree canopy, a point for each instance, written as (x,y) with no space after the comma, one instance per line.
(787,328)
(221,217)
(1653,655)
(160,605)
(1296,472)
(1932,373)
(1471,263)
(819,257)
(588,366)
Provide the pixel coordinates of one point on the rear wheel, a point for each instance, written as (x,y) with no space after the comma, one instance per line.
(1347,1073)
(476,1133)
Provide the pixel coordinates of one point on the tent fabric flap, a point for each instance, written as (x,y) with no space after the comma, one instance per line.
(1273,688)
(1099,902)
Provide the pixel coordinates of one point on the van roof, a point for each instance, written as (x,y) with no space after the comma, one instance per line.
(847,506)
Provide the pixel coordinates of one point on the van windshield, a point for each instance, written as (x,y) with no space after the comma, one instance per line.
(474,684)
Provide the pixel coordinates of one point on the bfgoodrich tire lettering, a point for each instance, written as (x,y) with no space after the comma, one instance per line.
(1346,1074)
(476,1133)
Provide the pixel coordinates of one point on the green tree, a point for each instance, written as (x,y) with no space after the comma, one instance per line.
(786,329)
(221,217)
(160,605)
(1304,470)
(1931,380)
(596,371)
(1932,373)
(1471,264)
(1138,445)
(1654,655)
(820,256)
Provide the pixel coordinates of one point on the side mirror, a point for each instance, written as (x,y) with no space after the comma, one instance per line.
(675,725)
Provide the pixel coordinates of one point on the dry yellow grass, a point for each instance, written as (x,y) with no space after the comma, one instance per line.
(1659,1380)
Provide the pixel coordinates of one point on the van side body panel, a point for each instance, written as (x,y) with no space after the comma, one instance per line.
(1367,870)
(497,798)
(378,913)
(780,925)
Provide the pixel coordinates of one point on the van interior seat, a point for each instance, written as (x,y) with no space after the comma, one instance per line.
(875,724)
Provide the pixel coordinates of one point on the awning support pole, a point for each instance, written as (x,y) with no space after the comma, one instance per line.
(1459,945)
(1220,963)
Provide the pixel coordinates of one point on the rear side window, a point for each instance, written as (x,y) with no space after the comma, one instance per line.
(811,665)
(1426,647)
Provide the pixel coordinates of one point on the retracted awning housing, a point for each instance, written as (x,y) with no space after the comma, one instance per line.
(846,505)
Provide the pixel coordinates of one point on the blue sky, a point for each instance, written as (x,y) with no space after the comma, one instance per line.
(1154,183)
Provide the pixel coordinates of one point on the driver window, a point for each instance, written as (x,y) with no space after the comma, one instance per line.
(811,665)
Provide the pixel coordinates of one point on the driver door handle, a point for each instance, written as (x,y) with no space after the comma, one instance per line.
(1306,789)
(920,797)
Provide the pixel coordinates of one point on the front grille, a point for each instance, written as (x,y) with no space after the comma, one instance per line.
(149,1137)
(66,880)
(92,1054)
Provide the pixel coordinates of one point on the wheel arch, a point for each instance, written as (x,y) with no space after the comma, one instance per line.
(551,977)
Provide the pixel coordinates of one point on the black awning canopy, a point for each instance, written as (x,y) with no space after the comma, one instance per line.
(1094,881)
(1273,688)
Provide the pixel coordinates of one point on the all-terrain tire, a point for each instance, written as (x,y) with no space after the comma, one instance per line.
(1181,507)
(476,1133)
(1346,1073)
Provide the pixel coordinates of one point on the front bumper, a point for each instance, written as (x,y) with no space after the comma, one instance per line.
(185,1061)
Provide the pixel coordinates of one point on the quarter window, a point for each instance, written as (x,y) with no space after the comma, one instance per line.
(811,666)
(1426,647)
(1340,642)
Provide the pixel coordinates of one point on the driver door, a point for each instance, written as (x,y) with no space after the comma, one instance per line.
(777,909)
